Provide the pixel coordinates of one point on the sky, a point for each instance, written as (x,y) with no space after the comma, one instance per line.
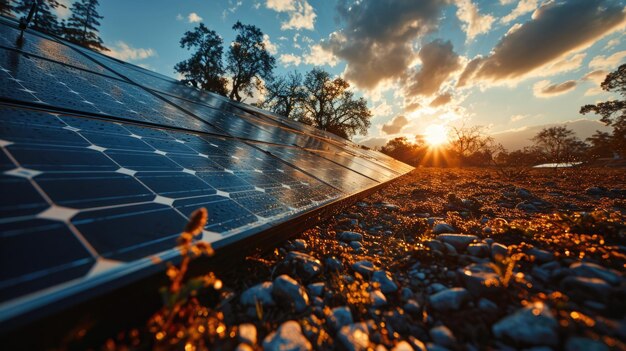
(503,64)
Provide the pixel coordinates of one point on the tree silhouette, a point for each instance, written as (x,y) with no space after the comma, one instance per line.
(44,20)
(204,68)
(330,106)
(466,141)
(82,26)
(613,112)
(403,150)
(284,96)
(6,8)
(558,144)
(248,61)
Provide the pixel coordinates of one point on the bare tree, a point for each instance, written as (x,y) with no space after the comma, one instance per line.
(466,141)
(330,106)
(559,145)
(284,96)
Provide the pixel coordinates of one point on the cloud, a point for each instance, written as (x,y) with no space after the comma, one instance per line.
(301,13)
(517,118)
(377,41)
(608,62)
(179,17)
(269,46)
(318,56)
(544,89)
(193,18)
(439,61)
(473,22)
(523,7)
(556,31)
(290,59)
(596,76)
(395,125)
(412,106)
(612,43)
(63,12)
(125,52)
(441,100)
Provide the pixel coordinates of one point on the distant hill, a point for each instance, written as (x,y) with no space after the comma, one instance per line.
(517,139)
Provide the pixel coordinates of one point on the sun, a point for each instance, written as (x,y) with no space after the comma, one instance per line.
(436,135)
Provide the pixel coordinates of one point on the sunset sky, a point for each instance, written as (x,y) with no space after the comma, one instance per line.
(503,64)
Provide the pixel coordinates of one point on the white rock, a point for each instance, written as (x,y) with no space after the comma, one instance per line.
(288,337)
(285,287)
(531,325)
(354,337)
(448,300)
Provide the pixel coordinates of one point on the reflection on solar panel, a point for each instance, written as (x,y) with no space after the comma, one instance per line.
(102,162)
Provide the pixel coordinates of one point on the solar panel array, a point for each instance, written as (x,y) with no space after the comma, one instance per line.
(102,162)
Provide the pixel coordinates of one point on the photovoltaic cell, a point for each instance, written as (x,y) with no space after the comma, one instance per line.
(102,163)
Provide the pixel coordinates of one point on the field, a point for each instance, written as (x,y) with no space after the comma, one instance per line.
(540,263)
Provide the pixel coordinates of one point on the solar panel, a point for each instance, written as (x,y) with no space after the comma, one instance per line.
(102,162)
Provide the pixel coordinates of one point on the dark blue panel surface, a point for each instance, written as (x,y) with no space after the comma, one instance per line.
(102,162)
(40,253)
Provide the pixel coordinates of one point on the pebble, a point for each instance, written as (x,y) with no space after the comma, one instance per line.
(356,245)
(407,294)
(378,298)
(354,337)
(448,300)
(288,337)
(261,292)
(316,289)
(478,249)
(247,333)
(435,245)
(459,241)
(523,193)
(300,244)
(531,325)
(244,347)
(436,287)
(487,305)
(584,288)
(412,306)
(499,251)
(305,265)
(527,207)
(350,236)
(287,288)
(387,284)
(480,279)
(340,316)
(332,264)
(592,270)
(440,228)
(595,191)
(450,249)
(363,267)
(441,335)
(541,256)
(402,346)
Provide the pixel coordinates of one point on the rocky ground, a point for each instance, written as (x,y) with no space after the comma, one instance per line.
(442,259)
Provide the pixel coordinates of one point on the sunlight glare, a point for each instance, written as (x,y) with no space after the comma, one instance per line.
(436,135)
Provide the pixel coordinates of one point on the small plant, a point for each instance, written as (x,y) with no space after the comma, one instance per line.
(182,319)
